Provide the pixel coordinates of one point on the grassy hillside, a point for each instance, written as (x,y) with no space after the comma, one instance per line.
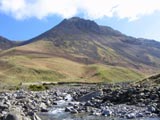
(29,64)
(113,74)
(153,80)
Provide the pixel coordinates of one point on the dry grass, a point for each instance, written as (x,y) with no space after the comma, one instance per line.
(31,64)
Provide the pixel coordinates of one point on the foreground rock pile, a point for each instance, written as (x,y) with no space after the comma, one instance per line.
(24,105)
(118,101)
(129,102)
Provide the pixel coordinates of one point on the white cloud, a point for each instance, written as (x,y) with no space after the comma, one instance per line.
(130,9)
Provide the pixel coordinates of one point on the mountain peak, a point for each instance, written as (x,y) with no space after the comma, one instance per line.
(80,24)
(78,19)
(75,19)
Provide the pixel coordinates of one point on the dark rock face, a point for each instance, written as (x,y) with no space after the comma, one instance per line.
(80,24)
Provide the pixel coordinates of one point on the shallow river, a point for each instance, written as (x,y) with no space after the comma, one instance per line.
(58,113)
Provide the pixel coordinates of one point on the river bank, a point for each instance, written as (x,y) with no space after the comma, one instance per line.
(121,101)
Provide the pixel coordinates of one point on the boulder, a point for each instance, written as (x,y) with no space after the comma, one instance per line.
(131,116)
(43,106)
(89,96)
(107,112)
(15,113)
(11,116)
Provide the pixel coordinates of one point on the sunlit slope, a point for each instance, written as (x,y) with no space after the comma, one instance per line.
(38,62)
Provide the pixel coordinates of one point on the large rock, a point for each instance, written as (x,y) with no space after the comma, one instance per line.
(89,96)
(43,107)
(11,116)
(15,114)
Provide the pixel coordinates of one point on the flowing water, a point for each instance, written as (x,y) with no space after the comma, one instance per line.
(58,113)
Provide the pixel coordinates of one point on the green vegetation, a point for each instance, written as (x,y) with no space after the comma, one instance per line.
(30,69)
(153,80)
(20,69)
(114,74)
(37,63)
(37,87)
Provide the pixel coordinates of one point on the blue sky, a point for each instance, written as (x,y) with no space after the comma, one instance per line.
(25,19)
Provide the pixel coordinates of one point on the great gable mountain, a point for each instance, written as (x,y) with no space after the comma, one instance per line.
(79,50)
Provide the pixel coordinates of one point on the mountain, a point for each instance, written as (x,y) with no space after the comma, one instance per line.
(81,50)
(92,43)
(77,37)
(5,43)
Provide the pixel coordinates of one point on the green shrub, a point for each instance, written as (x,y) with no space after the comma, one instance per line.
(38,87)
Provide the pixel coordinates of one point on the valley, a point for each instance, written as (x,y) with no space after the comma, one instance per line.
(78,50)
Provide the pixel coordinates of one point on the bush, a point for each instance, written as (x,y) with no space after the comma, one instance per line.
(37,87)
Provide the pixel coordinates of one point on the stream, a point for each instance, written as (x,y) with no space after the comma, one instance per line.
(58,113)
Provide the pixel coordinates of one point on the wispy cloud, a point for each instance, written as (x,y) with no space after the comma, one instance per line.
(95,9)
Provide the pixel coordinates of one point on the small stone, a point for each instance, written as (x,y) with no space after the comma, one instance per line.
(3,107)
(139,115)
(96,113)
(107,112)
(152,109)
(131,116)
(71,110)
(36,117)
(44,110)
(54,103)
(74,111)
(67,109)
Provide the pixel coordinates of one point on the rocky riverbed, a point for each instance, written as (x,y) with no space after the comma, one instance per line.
(120,102)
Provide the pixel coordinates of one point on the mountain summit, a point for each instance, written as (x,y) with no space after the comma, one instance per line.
(79,24)
(75,27)
(82,25)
